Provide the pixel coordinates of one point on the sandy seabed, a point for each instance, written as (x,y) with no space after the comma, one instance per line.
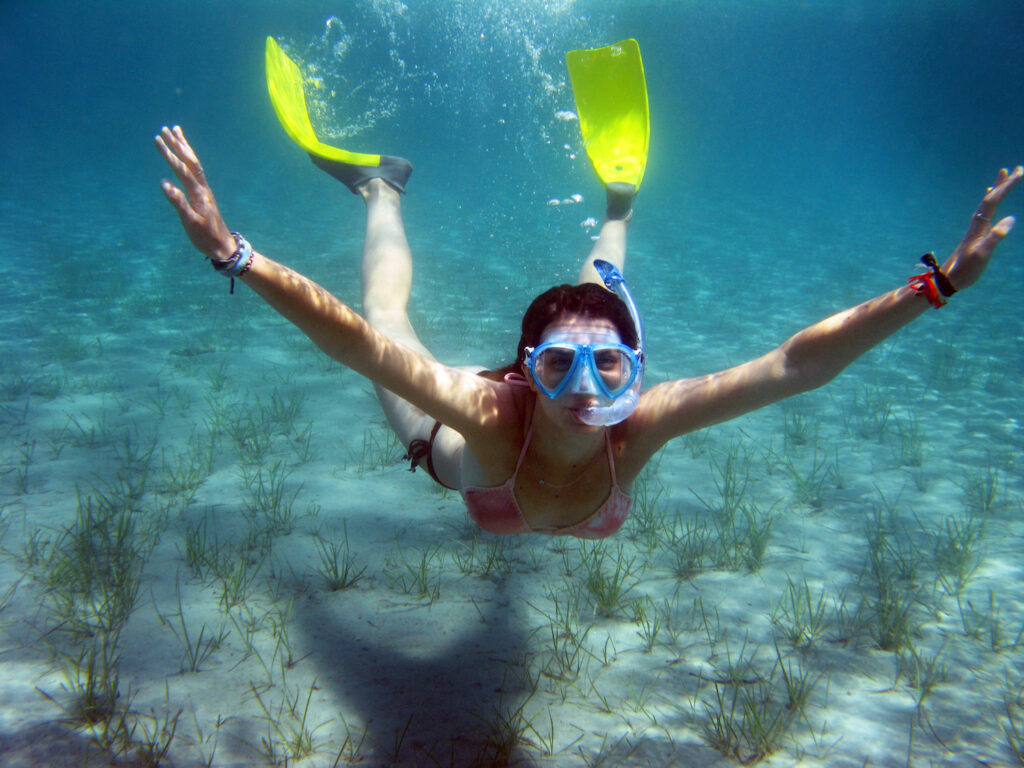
(213,555)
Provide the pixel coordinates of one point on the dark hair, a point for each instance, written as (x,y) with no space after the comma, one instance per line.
(586,300)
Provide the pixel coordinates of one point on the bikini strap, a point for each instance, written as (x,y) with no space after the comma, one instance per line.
(526,444)
(420,449)
(611,458)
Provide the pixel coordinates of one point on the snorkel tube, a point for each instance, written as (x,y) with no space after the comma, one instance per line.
(622,406)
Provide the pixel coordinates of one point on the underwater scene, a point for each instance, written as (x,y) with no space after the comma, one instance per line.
(212,552)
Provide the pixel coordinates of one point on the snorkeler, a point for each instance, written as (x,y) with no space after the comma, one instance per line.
(553,441)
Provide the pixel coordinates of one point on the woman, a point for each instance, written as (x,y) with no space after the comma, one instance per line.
(545,445)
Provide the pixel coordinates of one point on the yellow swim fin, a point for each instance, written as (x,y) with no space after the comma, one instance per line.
(611,101)
(286,87)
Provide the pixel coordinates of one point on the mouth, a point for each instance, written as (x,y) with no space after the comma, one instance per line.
(577,413)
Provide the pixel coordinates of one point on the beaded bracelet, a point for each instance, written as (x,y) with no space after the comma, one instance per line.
(238,263)
(933,284)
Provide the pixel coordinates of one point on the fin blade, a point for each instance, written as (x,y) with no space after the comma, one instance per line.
(287,95)
(611,101)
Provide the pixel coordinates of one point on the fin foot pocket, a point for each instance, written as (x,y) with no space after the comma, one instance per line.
(394,171)
(619,195)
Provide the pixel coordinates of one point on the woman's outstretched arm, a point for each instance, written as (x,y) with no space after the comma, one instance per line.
(817,354)
(466,402)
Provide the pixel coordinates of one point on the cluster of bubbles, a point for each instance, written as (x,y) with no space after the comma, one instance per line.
(487,66)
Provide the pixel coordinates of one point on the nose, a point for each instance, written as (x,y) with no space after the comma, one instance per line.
(583,382)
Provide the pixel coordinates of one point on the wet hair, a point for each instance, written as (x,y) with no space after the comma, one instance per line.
(588,300)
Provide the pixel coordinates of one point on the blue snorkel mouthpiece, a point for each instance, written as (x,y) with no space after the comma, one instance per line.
(622,406)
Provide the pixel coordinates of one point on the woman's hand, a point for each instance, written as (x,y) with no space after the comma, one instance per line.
(199,214)
(971,257)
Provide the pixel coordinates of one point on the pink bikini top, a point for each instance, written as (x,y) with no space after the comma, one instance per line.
(496,510)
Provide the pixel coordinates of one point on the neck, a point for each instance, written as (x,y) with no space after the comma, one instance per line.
(555,446)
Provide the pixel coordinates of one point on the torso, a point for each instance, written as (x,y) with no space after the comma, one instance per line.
(543,505)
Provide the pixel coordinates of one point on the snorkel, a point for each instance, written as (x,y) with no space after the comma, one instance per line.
(619,409)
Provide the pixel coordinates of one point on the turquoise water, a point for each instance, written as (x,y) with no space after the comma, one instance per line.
(177,464)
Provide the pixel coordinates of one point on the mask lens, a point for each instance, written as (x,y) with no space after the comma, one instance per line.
(553,364)
(615,367)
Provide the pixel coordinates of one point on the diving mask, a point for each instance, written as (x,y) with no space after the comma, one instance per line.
(610,371)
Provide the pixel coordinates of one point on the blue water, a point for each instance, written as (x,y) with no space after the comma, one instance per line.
(803,155)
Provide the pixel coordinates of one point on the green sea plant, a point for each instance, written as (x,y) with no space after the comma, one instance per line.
(252,438)
(94,567)
(564,656)
(749,713)
(235,575)
(609,580)
(743,539)
(21,472)
(647,515)
(72,347)
(893,619)
(801,616)
(957,553)
(797,429)
(949,368)
(870,413)
(690,546)
(91,679)
(89,435)
(217,378)
(134,452)
(416,577)
(289,732)
(269,499)
(155,734)
(157,400)
(351,748)
(203,550)
(850,618)
(302,444)
(891,570)
(655,622)
(708,621)
(921,671)
(503,730)
(908,445)
(741,722)
(798,683)
(697,443)
(380,448)
(608,751)
(281,412)
(809,484)
(248,623)
(978,622)
(984,491)
(338,567)
(1013,725)
(731,476)
(486,557)
(197,648)
(181,473)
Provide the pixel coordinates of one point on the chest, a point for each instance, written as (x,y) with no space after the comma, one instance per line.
(547,504)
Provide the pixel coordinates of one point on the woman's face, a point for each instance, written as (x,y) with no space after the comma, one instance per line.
(582,392)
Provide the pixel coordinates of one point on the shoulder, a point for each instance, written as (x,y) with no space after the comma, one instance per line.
(495,447)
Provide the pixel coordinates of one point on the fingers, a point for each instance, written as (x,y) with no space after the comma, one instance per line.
(985,214)
(995,235)
(177,198)
(182,159)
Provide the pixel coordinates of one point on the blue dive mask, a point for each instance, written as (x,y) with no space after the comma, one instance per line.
(613,372)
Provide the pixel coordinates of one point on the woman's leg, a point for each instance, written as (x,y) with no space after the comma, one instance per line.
(611,244)
(387,282)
